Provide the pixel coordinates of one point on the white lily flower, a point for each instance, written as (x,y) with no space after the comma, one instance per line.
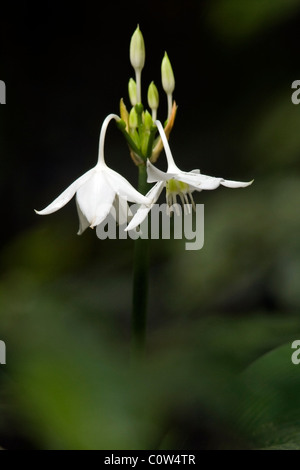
(99,191)
(177,183)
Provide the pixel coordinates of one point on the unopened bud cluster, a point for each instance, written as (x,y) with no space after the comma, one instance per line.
(138,125)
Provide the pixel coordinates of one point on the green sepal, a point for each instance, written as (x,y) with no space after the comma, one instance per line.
(135,137)
(122,126)
(151,141)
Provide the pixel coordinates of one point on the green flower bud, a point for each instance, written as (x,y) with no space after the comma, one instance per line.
(167,75)
(148,123)
(139,108)
(137,50)
(132,92)
(153,97)
(133,119)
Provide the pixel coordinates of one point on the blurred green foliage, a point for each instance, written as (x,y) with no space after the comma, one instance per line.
(237,21)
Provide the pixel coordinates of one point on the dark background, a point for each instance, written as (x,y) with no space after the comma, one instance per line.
(65,300)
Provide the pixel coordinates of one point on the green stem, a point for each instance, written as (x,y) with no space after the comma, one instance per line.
(140,280)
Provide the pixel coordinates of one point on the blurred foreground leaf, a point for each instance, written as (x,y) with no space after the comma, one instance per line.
(270,404)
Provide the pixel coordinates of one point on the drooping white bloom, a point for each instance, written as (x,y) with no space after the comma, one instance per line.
(177,183)
(98,192)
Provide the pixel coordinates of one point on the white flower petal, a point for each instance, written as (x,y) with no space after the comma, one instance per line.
(95,198)
(121,211)
(155,191)
(124,189)
(207,183)
(66,195)
(235,184)
(172,167)
(143,211)
(83,222)
(154,174)
(138,218)
(198,181)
